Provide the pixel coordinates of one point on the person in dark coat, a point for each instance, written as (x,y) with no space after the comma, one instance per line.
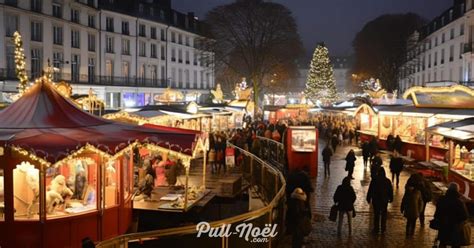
(297,212)
(396,167)
(451,213)
(350,163)
(327,154)
(390,142)
(375,165)
(397,145)
(412,203)
(344,198)
(365,153)
(427,196)
(334,142)
(374,147)
(380,194)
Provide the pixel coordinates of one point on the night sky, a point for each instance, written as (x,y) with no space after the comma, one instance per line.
(333,21)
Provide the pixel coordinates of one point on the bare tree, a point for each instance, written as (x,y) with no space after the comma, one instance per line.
(254,39)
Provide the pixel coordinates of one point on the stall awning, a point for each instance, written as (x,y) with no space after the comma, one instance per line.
(45,123)
(462,130)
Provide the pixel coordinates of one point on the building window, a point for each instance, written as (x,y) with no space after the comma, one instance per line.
(186,78)
(109,24)
(57,35)
(451,34)
(195,79)
(461,49)
(429,61)
(142,48)
(442,56)
(173,55)
(91,21)
(180,56)
(162,14)
(163,74)
(75,39)
(195,59)
(142,30)
(125,28)
(75,66)
(91,70)
(187,57)
(153,33)
(461,29)
(173,37)
(140,8)
(57,10)
(126,71)
(451,53)
(11,24)
(163,53)
(109,70)
(436,59)
(57,64)
(442,38)
(36,31)
(36,5)
(75,15)
(187,41)
(91,42)
(180,39)
(36,63)
(142,73)
(436,41)
(153,51)
(180,78)
(10,56)
(154,74)
(125,47)
(162,34)
(173,78)
(109,45)
(11,2)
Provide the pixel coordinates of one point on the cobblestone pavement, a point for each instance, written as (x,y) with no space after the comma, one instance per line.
(324,231)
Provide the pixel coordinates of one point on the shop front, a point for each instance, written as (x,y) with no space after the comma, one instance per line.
(67,175)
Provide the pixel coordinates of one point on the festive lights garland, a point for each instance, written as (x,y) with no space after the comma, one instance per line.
(20,62)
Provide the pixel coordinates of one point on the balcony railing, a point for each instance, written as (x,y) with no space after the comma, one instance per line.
(10,74)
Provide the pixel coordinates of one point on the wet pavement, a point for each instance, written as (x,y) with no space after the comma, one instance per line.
(324,233)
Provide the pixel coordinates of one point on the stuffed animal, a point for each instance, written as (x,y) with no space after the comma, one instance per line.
(53,199)
(58,184)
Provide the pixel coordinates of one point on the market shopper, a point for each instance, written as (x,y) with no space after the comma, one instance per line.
(350,163)
(334,142)
(380,194)
(345,197)
(375,165)
(397,144)
(396,167)
(365,153)
(327,154)
(412,204)
(298,215)
(451,214)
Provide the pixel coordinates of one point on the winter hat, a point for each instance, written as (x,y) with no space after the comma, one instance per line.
(299,194)
(453,187)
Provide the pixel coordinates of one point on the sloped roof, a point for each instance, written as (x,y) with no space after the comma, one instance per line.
(43,122)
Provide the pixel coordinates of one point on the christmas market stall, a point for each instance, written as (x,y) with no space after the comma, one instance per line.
(67,175)
(459,158)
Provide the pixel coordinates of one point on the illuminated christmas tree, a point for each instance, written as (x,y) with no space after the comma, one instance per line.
(20,63)
(320,84)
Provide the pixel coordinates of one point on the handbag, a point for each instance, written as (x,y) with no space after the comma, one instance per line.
(434,224)
(333,213)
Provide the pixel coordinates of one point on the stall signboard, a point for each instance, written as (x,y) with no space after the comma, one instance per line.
(303,140)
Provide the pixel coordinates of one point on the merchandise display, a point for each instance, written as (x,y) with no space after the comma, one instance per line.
(26,191)
(464,162)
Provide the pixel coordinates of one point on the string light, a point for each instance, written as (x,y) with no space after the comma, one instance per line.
(20,62)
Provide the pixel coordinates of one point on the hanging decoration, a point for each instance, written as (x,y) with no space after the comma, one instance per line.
(20,62)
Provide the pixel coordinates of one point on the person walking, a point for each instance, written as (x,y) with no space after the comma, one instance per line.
(426,195)
(327,154)
(350,163)
(345,197)
(451,213)
(373,146)
(365,153)
(376,164)
(334,142)
(380,194)
(412,203)
(298,214)
(398,144)
(396,167)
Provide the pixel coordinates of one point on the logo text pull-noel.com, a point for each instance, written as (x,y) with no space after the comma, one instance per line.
(247,231)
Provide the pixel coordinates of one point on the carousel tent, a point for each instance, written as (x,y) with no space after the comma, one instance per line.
(45,123)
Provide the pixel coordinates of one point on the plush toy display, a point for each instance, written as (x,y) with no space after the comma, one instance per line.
(58,184)
(53,199)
